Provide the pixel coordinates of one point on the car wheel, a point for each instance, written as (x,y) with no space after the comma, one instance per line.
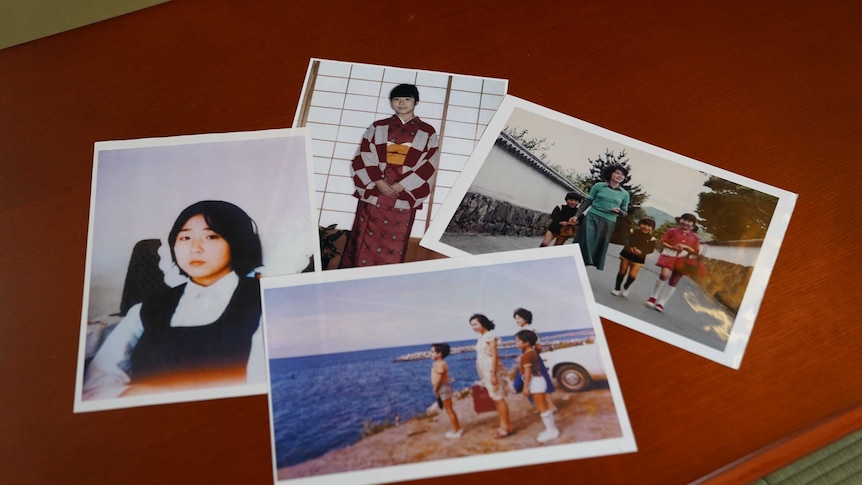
(573,378)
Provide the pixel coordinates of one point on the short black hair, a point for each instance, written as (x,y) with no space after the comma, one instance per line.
(574,196)
(610,169)
(528,336)
(527,315)
(405,91)
(688,217)
(230,222)
(649,221)
(483,320)
(442,349)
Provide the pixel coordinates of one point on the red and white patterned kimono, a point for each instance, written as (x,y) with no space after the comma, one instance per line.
(393,151)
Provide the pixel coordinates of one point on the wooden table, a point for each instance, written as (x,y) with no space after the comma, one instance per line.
(771,90)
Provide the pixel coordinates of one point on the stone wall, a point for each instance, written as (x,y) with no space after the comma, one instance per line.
(726,282)
(479,214)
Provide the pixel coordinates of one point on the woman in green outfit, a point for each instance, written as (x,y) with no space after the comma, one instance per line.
(606,201)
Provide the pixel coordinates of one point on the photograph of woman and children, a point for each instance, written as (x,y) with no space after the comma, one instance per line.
(371,389)
(388,143)
(674,248)
(181,229)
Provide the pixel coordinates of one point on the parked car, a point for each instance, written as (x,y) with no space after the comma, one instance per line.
(575,368)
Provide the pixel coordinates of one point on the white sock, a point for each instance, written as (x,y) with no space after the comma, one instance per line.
(668,292)
(659,284)
(548,420)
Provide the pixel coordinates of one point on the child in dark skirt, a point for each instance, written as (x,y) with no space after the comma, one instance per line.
(633,255)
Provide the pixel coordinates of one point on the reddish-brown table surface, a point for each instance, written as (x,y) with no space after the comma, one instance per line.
(771,90)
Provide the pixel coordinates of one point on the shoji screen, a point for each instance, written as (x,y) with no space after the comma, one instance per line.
(341,99)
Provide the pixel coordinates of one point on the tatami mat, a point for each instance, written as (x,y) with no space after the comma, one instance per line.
(25,20)
(837,464)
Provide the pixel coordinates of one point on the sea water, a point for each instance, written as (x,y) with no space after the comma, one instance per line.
(324,402)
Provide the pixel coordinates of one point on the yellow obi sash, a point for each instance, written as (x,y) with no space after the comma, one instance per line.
(395,154)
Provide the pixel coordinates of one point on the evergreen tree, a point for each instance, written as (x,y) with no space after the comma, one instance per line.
(636,193)
(733,212)
(637,196)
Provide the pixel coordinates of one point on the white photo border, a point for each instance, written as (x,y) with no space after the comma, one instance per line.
(336,132)
(299,141)
(453,466)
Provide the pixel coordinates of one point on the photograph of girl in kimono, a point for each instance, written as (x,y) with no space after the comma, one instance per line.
(203,333)
(391,172)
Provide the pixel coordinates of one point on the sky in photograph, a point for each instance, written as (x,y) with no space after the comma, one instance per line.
(672,187)
(422,308)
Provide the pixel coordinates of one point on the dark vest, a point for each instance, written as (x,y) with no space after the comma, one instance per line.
(225,343)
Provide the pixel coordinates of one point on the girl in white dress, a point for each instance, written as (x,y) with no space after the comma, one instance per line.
(491,370)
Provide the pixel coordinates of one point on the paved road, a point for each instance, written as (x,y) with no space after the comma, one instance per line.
(690,313)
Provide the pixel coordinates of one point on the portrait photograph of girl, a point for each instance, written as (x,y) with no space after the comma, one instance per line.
(421,380)
(674,248)
(181,230)
(388,143)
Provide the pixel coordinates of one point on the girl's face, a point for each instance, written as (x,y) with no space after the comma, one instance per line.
(519,320)
(521,344)
(645,228)
(476,326)
(403,106)
(685,224)
(201,252)
(434,354)
(618,176)
(571,203)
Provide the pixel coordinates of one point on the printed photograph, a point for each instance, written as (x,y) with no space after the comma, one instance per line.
(439,367)
(388,144)
(181,231)
(674,248)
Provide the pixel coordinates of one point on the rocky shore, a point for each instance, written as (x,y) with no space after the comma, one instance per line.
(584,416)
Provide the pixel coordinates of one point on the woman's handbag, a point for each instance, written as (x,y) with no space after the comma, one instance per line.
(482,402)
(691,265)
(566,231)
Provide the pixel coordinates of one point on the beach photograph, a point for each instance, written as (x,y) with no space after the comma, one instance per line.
(181,230)
(409,371)
(674,248)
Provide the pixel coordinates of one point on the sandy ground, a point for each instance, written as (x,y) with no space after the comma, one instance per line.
(584,416)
